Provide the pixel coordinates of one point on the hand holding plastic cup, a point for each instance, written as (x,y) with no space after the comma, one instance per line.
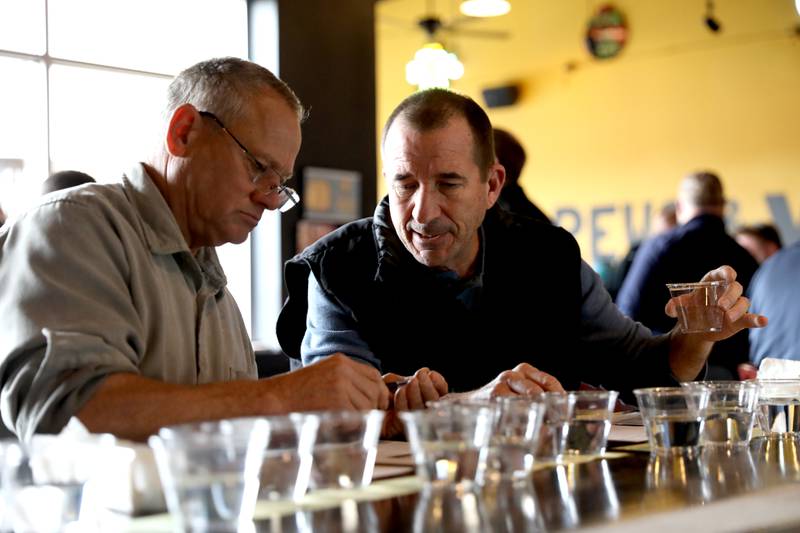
(698,305)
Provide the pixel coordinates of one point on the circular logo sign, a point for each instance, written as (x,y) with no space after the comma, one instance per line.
(606,33)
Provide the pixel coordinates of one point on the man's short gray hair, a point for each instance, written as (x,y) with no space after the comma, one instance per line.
(702,189)
(224,86)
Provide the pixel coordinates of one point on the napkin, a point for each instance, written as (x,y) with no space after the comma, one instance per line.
(773,368)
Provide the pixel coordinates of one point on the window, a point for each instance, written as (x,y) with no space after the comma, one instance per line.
(83,87)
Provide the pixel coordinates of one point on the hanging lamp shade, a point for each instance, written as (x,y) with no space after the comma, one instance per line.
(433,66)
(486,8)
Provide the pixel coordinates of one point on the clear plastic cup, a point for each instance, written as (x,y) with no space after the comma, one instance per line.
(590,422)
(209,472)
(515,437)
(287,460)
(446,440)
(673,417)
(346,448)
(559,407)
(730,413)
(698,310)
(779,406)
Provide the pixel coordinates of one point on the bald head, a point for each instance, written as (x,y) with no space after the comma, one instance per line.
(700,193)
(64,180)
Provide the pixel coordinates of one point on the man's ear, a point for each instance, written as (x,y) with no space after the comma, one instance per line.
(496,180)
(182,126)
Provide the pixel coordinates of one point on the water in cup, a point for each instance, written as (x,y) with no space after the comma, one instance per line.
(590,423)
(676,429)
(732,425)
(588,433)
(284,475)
(559,408)
(447,439)
(451,462)
(509,457)
(697,305)
(779,406)
(208,501)
(347,465)
(780,415)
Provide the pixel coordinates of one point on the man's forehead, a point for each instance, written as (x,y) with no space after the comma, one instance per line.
(404,134)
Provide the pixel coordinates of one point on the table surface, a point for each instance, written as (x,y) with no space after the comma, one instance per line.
(754,488)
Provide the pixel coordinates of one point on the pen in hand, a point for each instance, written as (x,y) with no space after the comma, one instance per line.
(394,385)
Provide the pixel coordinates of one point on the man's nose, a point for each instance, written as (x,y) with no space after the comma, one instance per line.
(426,205)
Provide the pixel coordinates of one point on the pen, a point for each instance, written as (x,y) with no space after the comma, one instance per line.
(394,385)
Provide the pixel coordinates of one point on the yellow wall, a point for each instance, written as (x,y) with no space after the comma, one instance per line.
(605,135)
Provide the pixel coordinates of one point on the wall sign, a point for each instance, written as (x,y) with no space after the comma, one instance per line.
(331,195)
(607,32)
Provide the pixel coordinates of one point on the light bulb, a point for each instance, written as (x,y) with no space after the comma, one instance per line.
(433,66)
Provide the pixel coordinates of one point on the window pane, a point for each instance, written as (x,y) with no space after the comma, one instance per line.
(155,35)
(22,26)
(23,133)
(102,121)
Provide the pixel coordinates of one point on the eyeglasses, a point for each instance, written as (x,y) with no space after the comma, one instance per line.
(286,196)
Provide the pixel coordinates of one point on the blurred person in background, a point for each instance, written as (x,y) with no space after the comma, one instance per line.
(775,289)
(684,254)
(511,155)
(65,179)
(664,221)
(761,240)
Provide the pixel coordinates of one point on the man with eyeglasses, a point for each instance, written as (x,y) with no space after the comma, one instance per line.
(499,304)
(114,304)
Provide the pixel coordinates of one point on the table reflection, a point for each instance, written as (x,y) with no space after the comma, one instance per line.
(512,506)
(778,457)
(567,496)
(573,494)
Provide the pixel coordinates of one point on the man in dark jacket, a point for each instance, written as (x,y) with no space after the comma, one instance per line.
(683,254)
(511,155)
(440,278)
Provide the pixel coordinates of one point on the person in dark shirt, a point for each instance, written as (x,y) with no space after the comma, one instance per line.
(684,254)
(511,155)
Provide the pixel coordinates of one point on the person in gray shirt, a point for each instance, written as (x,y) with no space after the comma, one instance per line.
(114,304)
(440,277)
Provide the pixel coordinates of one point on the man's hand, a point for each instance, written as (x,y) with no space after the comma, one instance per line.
(735,305)
(424,386)
(336,382)
(523,380)
(688,353)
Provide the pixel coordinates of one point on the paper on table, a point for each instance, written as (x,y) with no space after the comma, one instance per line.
(633,418)
(394,453)
(627,434)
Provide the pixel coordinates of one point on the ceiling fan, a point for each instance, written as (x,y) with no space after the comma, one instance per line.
(434,25)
